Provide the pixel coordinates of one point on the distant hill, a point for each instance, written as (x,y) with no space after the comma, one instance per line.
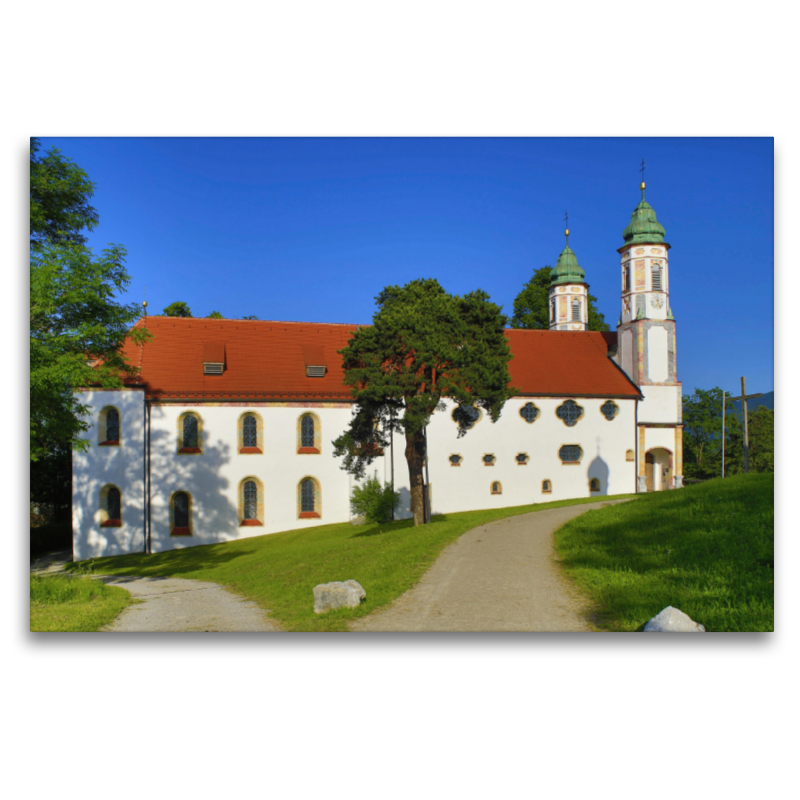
(767,399)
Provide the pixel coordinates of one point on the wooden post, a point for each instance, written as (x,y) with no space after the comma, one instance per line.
(746,439)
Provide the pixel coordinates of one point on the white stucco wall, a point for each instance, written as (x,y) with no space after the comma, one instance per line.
(657,355)
(660,404)
(122,466)
(213,477)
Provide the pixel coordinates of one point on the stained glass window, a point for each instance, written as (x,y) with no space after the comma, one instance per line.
(114,503)
(250,500)
(180,504)
(466,416)
(307,433)
(569,412)
(249,437)
(307,495)
(190,431)
(570,453)
(529,412)
(609,410)
(112,425)
(455,460)
(488,459)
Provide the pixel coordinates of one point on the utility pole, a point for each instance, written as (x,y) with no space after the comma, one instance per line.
(744,398)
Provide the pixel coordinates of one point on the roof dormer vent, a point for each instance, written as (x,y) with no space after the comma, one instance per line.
(315,361)
(213,358)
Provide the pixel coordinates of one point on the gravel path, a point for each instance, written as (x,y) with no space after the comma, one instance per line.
(177,604)
(500,577)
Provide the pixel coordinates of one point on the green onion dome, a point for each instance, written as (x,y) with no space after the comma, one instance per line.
(644,226)
(567,269)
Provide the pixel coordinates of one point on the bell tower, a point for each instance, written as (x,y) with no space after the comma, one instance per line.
(646,348)
(569,293)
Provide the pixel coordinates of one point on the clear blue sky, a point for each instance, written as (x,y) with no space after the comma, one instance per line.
(312,229)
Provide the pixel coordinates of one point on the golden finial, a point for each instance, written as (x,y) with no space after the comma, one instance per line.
(566,226)
(641,169)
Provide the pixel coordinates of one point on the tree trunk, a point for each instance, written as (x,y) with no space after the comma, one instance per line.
(415,458)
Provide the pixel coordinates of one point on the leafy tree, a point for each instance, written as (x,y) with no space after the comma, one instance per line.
(424,345)
(77,328)
(251,316)
(177,310)
(374,501)
(761,443)
(531,305)
(702,433)
(212,315)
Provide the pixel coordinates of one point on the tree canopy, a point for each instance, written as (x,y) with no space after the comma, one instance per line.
(178,310)
(531,305)
(424,345)
(214,315)
(77,327)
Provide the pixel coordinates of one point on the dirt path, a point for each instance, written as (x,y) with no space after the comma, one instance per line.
(177,604)
(500,577)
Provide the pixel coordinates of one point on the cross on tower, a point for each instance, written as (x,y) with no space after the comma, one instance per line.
(641,169)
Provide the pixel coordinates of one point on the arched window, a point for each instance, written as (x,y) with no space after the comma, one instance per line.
(546,487)
(529,412)
(181,514)
(569,412)
(251,502)
(110,507)
(190,433)
(553,310)
(594,485)
(497,487)
(309,499)
(626,277)
(249,432)
(108,427)
(576,310)
(309,438)
(657,283)
(629,455)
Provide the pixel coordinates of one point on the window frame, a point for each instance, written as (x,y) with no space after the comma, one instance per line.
(499,487)
(174,529)
(549,489)
(570,463)
(106,521)
(317,447)
(536,409)
(259,423)
(488,463)
(182,448)
(616,410)
(102,427)
(317,512)
(258,520)
(564,403)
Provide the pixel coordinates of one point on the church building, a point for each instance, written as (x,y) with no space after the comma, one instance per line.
(226,431)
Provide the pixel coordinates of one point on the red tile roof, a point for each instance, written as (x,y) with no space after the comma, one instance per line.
(267,360)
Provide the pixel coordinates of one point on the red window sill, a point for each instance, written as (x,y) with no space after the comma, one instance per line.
(249,450)
(111,523)
(487,465)
(190,450)
(309,515)
(181,532)
(455,465)
(522,463)
(246,523)
(547,491)
(110,443)
(307,450)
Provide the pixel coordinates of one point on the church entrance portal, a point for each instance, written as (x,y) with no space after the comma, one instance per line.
(658,469)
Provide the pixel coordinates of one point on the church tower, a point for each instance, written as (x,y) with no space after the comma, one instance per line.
(569,294)
(646,345)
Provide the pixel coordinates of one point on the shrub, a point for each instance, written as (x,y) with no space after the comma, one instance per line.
(47,538)
(374,501)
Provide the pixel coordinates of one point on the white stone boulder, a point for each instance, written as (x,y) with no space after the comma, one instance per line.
(673,620)
(339,594)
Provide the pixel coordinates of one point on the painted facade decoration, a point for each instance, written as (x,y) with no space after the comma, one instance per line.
(257,457)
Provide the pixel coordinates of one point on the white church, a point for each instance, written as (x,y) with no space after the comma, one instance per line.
(227,431)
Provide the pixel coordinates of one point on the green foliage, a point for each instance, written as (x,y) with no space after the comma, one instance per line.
(250,316)
(66,603)
(761,438)
(706,549)
(177,310)
(56,535)
(77,328)
(51,477)
(424,345)
(531,305)
(212,315)
(279,571)
(374,501)
(702,433)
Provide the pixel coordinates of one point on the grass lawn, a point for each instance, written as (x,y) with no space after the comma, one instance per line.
(706,549)
(279,571)
(71,603)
